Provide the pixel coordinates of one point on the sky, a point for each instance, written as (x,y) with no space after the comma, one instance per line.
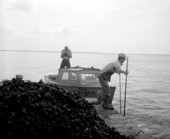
(104,26)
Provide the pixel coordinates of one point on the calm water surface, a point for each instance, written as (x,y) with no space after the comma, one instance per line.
(148,86)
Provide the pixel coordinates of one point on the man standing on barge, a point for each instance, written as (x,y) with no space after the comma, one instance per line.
(105,77)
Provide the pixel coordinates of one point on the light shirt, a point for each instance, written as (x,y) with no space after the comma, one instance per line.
(110,69)
(66,54)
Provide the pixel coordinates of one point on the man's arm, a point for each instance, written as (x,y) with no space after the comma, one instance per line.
(122,71)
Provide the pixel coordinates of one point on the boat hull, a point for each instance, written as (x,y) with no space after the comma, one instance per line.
(87,92)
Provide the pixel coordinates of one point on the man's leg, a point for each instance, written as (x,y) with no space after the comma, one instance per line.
(65,63)
(68,63)
(112,92)
(62,64)
(106,93)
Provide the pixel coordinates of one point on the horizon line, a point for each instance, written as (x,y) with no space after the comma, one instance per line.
(50,51)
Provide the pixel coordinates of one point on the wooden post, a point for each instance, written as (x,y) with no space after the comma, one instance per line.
(125,87)
(120,93)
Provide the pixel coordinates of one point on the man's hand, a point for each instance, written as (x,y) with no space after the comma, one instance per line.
(65,54)
(126,72)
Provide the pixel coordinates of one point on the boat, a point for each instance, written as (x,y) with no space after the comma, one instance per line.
(78,79)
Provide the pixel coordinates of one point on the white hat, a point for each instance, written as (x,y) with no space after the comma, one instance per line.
(122,55)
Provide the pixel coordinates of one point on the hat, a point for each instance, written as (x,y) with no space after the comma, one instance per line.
(122,55)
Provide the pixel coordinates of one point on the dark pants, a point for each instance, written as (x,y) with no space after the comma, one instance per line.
(65,63)
(108,94)
(105,85)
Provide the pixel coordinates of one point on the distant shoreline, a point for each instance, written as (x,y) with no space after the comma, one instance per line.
(74,52)
(51,51)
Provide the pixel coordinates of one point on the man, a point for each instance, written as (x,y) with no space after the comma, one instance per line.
(105,76)
(66,54)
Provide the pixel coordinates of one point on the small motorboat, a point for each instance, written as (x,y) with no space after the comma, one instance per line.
(80,79)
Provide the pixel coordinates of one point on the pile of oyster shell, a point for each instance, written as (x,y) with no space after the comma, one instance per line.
(38,110)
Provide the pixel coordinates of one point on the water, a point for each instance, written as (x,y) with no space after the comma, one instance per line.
(148,86)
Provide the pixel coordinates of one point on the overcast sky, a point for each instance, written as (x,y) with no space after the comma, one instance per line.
(129,26)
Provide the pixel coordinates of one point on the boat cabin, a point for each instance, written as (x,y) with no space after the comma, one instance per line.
(80,79)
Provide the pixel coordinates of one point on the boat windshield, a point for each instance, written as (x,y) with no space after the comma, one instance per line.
(65,76)
(89,76)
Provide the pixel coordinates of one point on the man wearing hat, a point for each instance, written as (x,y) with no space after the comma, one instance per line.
(105,77)
(65,55)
